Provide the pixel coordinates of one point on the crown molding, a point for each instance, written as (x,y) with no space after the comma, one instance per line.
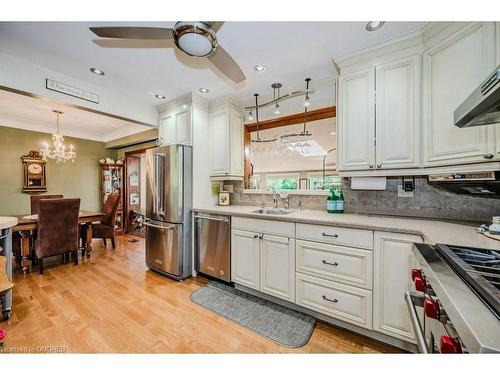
(410,40)
(189,99)
(226,100)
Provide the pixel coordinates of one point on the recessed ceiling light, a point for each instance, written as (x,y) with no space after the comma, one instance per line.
(204,90)
(97,71)
(374,25)
(259,68)
(158,96)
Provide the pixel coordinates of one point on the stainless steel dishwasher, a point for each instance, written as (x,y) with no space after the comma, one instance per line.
(212,237)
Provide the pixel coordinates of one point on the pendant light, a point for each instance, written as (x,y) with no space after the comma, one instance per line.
(307,101)
(276,94)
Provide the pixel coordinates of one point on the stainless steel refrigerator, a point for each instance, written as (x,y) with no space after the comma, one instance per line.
(168,210)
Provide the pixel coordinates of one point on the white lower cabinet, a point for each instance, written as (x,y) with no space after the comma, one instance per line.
(277,267)
(338,263)
(393,260)
(297,263)
(343,302)
(264,262)
(245,258)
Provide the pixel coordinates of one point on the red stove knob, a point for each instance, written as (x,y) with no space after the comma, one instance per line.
(415,272)
(449,345)
(419,284)
(431,308)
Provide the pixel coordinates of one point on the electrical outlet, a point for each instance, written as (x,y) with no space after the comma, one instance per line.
(404,194)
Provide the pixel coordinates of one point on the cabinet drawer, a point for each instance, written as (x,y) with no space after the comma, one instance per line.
(343,302)
(279,228)
(344,264)
(336,235)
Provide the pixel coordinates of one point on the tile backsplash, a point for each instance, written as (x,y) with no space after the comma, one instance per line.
(427,201)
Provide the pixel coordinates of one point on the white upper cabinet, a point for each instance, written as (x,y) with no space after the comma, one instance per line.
(356,120)
(226,139)
(176,126)
(455,62)
(379,109)
(183,126)
(167,129)
(398,113)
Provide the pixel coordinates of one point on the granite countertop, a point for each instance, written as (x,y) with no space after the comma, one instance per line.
(7,222)
(433,231)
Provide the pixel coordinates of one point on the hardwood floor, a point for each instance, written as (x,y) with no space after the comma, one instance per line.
(111,303)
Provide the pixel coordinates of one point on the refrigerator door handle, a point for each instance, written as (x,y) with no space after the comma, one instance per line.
(155,184)
(158,196)
(158,226)
(160,209)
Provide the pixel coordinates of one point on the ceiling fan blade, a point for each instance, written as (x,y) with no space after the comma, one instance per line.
(133,32)
(225,63)
(215,25)
(134,43)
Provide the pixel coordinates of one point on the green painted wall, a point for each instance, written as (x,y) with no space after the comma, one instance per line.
(81,179)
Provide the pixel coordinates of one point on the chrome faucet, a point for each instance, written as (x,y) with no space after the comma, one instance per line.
(287,202)
(275,199)
(299,206)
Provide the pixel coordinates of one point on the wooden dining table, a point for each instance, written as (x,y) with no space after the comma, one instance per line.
(27,225)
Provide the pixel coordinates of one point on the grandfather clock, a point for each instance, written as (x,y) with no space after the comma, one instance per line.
(34,177)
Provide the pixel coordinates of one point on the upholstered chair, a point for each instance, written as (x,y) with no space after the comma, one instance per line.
(58,228)
(106,228)
(35,201)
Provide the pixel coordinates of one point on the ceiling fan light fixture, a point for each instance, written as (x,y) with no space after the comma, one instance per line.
(97,71)
(374,25)
(195,38)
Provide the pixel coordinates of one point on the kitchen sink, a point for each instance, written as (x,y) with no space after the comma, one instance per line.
(272,211)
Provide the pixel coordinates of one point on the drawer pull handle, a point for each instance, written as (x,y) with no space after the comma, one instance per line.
(330,235)
(335,300)
(331,264)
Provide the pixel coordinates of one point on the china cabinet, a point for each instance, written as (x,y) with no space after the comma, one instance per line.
(112,183)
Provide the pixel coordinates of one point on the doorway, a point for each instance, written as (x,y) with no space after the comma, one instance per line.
(135,192)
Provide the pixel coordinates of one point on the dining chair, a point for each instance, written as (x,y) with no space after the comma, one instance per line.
(106,228)
(57,230)
(35,201)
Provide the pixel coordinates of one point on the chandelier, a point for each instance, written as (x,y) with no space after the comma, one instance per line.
(58,150)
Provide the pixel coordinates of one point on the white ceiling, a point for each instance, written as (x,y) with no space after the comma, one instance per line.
(290,50)
(25,112)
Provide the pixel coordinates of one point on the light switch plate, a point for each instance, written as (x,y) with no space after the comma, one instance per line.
(404,194)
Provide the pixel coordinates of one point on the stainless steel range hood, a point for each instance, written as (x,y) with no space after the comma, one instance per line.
(482,107)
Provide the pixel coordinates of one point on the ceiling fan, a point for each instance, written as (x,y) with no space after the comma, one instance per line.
(194,38)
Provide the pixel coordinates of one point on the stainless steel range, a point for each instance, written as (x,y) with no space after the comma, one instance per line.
(457,305)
